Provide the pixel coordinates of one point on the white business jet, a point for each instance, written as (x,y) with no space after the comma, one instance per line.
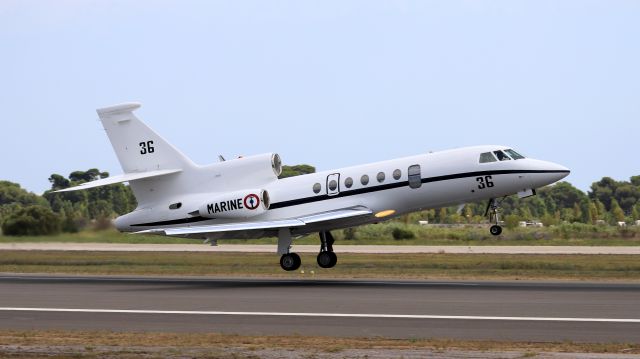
(243,198)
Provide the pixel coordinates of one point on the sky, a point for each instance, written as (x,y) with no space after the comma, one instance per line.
(328,83)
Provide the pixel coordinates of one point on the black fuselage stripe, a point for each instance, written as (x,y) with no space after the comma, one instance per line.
(173,221)
(383,187)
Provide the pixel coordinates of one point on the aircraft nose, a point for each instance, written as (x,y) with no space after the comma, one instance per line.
(556,171)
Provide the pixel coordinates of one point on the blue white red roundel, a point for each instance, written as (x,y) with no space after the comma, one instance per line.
(251,201)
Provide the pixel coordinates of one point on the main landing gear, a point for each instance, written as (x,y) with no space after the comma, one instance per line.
(326,258)
(291,261)
(492,211)
(288,261)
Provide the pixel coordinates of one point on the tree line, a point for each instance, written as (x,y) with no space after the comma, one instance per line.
(24,213)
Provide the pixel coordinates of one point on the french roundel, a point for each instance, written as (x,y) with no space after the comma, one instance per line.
(251,201)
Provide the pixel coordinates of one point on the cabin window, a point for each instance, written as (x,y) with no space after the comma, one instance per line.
(515,155)
(502,156)
(348,182)
(175,205)
(487,157)
(317,188)
(364,180)
(415,178)
(397,174)
(380,177)
(333,184)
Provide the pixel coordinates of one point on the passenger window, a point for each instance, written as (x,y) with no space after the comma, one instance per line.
(415,178)
(397,174)
(502,156)
(364,180)
(348,182)
(317,187)
(515,155)
(487,157)
(175,205)
(333,185)
(380,177)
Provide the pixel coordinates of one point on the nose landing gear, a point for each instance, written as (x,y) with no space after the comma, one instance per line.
(326,258)
(492,211)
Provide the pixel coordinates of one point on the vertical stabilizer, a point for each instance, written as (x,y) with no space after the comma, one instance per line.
(138,147)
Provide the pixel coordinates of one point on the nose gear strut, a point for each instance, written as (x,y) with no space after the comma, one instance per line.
(492,211)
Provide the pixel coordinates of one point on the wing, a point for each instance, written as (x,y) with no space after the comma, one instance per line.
(191,231)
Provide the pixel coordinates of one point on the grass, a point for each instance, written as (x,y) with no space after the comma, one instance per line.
(403,266)
(566,235)
(131,344)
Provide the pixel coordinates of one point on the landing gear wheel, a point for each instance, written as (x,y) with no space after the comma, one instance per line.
(290,261)
(327,259)
(496,230)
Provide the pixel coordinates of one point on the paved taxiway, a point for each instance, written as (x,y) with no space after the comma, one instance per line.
(271,248)
(468,310)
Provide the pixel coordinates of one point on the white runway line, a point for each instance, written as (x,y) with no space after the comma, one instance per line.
(323,315)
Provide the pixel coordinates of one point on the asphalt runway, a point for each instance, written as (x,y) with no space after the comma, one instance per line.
(305,248)
(523,311)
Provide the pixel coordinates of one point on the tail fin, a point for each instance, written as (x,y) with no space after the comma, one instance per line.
(138,147)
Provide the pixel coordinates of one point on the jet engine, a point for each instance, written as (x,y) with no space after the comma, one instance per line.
(238,204)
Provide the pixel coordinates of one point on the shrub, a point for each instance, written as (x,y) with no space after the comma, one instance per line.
(32,221)
(401,233)
(349,233)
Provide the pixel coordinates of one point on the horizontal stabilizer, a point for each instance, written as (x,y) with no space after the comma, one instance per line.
(262,225)
(127,177)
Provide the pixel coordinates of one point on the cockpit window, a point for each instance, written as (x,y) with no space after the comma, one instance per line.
(502,156)
(487,157)
(515,155)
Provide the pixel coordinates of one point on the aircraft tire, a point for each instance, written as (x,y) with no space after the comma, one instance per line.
(496,230)
(290,261)
(327,259)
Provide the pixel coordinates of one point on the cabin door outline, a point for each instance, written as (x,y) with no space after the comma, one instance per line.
(333,184)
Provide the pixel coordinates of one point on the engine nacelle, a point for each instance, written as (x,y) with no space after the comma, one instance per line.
(239,204)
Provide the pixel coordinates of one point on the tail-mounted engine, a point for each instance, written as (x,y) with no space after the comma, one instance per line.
(239,204)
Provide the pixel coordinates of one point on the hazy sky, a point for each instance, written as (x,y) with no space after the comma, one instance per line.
(329,83)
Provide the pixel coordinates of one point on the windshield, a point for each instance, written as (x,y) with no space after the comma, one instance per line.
(487,157)
(502,156)
(515,155)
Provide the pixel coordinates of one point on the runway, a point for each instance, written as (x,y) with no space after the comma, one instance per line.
(304,248)
(554,311)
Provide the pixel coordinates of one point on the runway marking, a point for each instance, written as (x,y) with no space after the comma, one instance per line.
(323,315)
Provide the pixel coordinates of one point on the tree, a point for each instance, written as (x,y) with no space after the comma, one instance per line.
(616,211)
(635,213)
(296,170)
(603,191)
(11,193)
(585,211)
(13,197)
(561,195)
(32,220)
(78,208)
